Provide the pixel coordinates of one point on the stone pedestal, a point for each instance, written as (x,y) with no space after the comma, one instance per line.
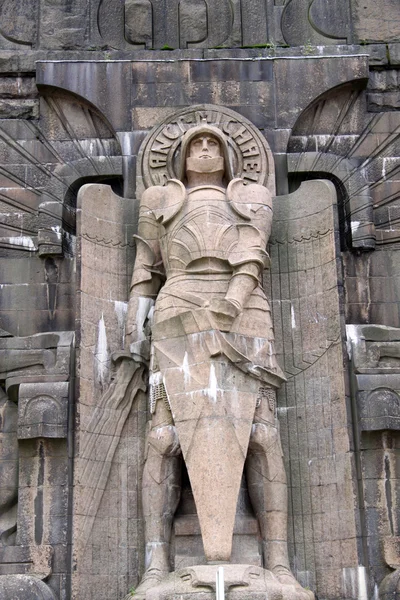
(241,582)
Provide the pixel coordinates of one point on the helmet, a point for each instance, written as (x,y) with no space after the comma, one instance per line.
(202,129)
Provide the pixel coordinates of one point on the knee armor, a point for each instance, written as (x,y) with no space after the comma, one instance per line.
(263,437)
(165,440)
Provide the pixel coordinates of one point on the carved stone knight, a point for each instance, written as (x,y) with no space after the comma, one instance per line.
(198,314)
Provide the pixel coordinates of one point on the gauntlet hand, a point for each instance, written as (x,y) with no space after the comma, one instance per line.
(224,312)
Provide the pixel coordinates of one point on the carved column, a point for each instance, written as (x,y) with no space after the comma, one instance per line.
(375,359)
(36,376)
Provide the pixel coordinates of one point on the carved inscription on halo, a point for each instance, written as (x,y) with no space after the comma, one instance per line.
(250,155)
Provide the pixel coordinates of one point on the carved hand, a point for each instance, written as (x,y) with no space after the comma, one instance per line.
(224,312)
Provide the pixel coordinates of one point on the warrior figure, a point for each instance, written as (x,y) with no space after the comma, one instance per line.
(199,317)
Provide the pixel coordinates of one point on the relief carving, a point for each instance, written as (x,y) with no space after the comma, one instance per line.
(247,150)
(198,317)
(139,22)
(189,23)
(8,470)
(310,21)
(374,351)
(375,355)
(35,373)
(200,326)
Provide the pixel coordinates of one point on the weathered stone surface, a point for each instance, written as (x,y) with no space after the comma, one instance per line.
(19,109)
(153,84)
(139,22)
(376,22)
(192,23)
(303,27)
(8,469)
(304,294)
(107,87)
(110,439)
(27,560)
(394,53)
(349,136)
(42,357)
(331,19)
(19,21)
(43,410)
(255,25)
(170,24)
(240,581)
(375,363)
(33,475)
(24,587)
(384,81)
(375,354)
(63,24)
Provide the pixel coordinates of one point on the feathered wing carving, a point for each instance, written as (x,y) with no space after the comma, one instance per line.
(109,380)
(99,441)
(304,284)
(304,274)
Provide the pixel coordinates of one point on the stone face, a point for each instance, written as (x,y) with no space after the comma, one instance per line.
(252,156)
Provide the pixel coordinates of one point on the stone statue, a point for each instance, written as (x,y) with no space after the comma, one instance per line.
(199,317)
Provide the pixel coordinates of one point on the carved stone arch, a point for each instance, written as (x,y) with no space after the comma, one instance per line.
(325,141)
(84,148)
(333,111)
(71,105)
(383,402)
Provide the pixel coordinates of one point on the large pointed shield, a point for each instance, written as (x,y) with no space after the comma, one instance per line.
(213,405)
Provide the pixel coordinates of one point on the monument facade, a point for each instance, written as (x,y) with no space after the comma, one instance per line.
(199,315)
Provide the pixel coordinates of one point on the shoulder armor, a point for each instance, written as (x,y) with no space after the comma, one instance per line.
(165,201)
(247,198)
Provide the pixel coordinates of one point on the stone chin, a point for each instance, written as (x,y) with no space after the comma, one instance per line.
(205,165)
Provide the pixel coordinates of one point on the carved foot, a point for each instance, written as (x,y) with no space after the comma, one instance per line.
(150,579)
(286,577)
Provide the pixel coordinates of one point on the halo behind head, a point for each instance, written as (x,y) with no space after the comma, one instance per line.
(202,129)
